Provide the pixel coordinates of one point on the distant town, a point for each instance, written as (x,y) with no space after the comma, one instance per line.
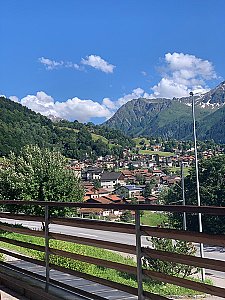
(139,177)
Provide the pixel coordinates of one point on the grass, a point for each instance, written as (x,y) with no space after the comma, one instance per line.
(138,140)
(68,128)
(110,274)
(176,170)
(153,219)
(96,137)
(160,153)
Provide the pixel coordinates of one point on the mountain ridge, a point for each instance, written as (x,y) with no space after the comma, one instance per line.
(173,117)
(20,126)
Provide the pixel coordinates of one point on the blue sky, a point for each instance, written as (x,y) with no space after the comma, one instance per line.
(83,59)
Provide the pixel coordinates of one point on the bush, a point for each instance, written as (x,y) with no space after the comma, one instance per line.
(167,267)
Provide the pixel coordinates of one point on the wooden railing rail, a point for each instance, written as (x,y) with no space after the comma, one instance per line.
(211,210)
(139,251)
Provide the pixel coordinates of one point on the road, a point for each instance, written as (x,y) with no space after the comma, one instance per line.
(123,238)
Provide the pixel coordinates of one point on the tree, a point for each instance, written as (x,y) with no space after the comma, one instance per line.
(140,179)
(131,167)
(126,216)
(39,174)
(148,188)
(212,192)
(167,267)
(97,184)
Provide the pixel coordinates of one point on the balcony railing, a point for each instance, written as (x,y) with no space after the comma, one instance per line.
(138,250)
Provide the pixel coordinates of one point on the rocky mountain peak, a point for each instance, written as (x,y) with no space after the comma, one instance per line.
(215,97)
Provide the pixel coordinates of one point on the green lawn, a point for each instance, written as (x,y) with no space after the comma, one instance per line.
(96,137)
(160,153)
(176,170)
(102,272)
(138,140)
(153,219)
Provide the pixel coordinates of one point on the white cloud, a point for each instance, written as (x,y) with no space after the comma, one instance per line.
(14,98)
(144,73)
(50,64)
(82,110)
(114,105)
(136,93)
(99,63)
(94,61)
(183,73)
(109,103)
(71,109)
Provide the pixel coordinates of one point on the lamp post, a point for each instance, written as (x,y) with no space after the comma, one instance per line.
(197,181)
(183,195)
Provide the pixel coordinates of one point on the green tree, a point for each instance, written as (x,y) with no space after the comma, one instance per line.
(140,179)
(97,183)
(212,193)
(167,267)
(126,216)
(148,188)
(41,175)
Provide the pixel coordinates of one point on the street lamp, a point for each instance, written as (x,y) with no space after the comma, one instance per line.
(183,195)
(197,181)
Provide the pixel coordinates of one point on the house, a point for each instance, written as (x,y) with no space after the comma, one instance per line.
(102,212)
(169,180)
(128,191)
(88,212)
(151,200)
(157,173)
(76,170)
(109,165)
(92,173)
(96,193)
(111,179)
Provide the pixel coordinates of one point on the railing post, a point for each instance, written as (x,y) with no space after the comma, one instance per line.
(47,269)
(139,254)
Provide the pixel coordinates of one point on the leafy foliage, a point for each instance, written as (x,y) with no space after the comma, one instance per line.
(148,187)
(212,193)
(19,126)
(155,117)
(167,267)
(126,217)
(38,174)
(110,274)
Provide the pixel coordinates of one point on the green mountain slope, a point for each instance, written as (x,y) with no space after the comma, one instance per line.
(20,126)
(173,118)
(155,117)
(213,126)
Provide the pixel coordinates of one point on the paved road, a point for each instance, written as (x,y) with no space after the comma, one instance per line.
(124,238)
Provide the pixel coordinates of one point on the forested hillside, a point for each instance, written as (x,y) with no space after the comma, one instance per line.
(155,117)
(20,126)
(172,118)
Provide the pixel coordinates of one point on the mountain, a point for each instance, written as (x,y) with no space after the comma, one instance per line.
(20,126)
(213,126)
(173,117)
(213,99)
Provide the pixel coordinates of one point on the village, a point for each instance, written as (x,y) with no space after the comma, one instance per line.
(138,178)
